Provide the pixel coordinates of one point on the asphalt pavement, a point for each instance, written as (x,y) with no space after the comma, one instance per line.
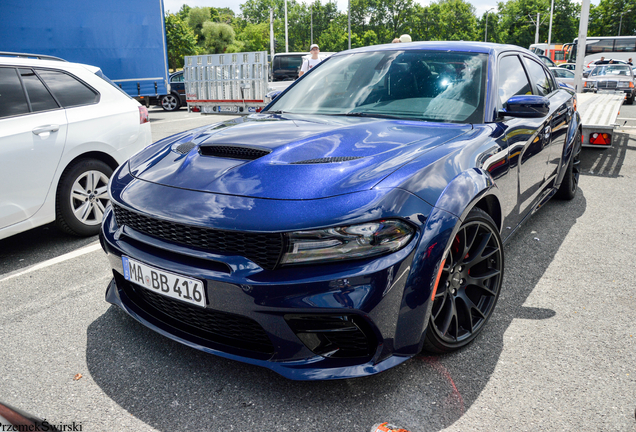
(557,355)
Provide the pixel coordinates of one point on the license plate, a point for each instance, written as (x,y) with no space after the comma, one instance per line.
(228,109)
(165,283)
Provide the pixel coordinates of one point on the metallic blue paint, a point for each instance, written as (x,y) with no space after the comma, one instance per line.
(526,106)
(428,174)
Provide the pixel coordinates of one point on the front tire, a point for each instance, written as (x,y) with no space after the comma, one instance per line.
(170,102)
(468,287)
(82,197)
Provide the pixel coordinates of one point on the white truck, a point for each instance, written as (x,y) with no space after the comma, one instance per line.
(235,83)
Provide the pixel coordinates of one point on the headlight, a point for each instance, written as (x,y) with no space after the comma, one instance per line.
(347,242)
(623,84)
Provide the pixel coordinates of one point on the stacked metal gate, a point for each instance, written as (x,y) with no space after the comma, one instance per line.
(226,83)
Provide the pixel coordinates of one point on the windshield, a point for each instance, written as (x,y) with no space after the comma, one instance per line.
(423,85)
(615,70)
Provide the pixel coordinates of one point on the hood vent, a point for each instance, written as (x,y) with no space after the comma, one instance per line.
(185,147)
(328,160)
(233,152)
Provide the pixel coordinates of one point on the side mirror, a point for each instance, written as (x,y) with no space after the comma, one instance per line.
(529,106)
(273,94)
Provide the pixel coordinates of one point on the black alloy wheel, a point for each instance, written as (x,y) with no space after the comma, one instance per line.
(469,285)
(570,182)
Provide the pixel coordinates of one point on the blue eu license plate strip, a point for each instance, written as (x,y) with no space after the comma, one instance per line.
(163,282)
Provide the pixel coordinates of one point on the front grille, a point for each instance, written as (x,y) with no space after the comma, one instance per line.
(264,249)
(233,152)
(215,326)
(607,84)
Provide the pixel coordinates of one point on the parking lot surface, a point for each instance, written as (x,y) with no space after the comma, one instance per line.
(557,355)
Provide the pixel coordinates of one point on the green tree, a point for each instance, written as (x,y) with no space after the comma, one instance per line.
(515,26)
(458,19)
(218,37)
(183,13)
(426,22)
(605,19)
(255,37)
(225,15)
(336,37)
(493,27)
(196,18)
(181,41)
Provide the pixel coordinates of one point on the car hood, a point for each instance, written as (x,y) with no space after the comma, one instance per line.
(609,78)
(289,156)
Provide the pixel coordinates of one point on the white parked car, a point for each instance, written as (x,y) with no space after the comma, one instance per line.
(64,128)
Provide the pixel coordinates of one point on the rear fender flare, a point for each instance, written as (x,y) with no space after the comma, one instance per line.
(575,126)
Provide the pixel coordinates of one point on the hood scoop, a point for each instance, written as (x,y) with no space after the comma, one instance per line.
(327,160)
(233,152)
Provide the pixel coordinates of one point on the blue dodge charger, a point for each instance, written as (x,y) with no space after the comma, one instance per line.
(356,221)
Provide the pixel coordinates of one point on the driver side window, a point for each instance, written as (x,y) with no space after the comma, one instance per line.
(512,79)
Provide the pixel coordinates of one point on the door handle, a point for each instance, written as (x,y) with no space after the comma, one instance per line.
(48,128)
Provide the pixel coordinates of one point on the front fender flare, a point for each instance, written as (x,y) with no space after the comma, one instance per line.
(465,190)
(454,204)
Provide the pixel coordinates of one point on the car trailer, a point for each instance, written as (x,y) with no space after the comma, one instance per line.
(235,83)
(598,116)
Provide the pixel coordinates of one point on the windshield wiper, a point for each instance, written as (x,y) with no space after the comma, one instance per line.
(368,114)
(275,112)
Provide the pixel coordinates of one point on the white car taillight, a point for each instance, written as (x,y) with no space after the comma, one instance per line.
(143,114)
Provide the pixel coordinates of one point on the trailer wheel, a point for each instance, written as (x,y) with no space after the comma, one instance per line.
(170,102)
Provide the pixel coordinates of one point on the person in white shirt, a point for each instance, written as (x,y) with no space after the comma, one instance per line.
(311,62)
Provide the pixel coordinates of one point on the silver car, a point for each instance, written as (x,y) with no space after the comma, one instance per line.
(563,75)
(616,77)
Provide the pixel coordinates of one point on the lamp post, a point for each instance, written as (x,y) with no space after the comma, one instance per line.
(349,21)
(550,30)
(486,30)
(620,24)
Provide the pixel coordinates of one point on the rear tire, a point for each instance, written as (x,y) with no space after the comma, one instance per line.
(570,182)
(82,197)
(170,102)
(469,285)
(630,100)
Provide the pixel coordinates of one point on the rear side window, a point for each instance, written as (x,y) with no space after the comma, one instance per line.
(288,62)
(512,79)
(39,96)
(12,99)
(68,90)
(543,85)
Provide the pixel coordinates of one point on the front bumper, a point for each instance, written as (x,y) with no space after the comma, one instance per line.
(281,318)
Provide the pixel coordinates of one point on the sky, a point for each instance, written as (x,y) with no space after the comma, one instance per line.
(173,6)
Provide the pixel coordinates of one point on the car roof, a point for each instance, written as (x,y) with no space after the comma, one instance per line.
(478,47)
(54,64)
